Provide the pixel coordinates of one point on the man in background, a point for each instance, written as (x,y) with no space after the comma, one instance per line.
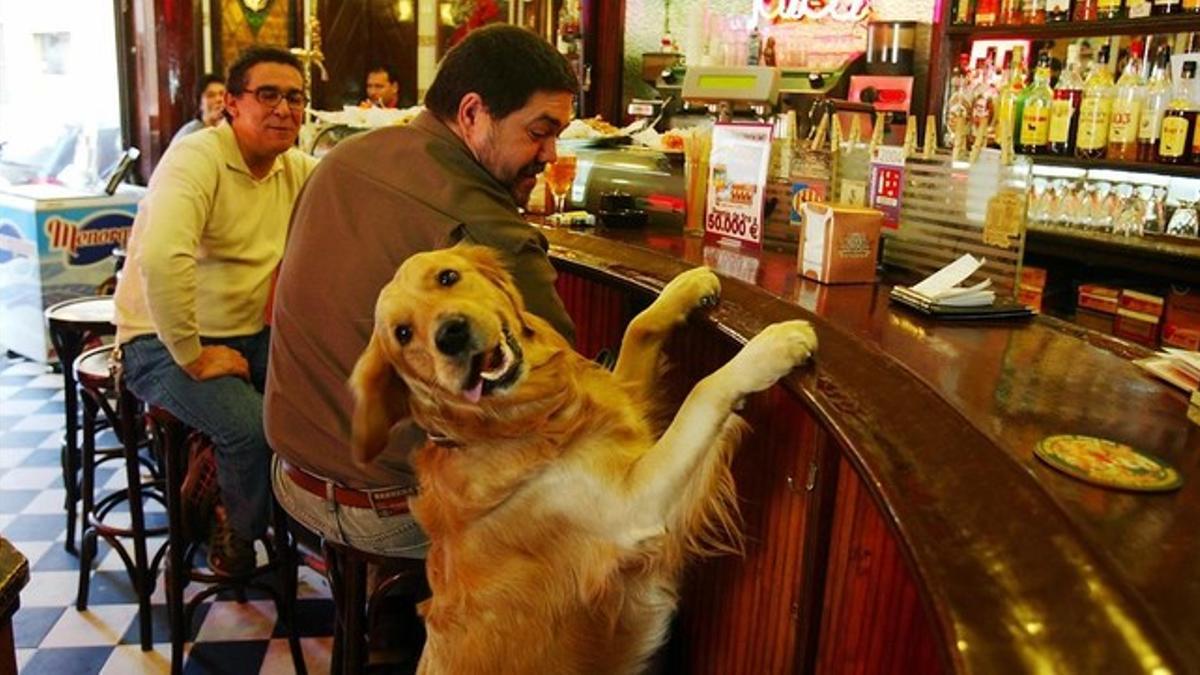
(210,111)
(383,88)
(190,305)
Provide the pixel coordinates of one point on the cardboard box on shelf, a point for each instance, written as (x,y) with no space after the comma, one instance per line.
(1136,327)
(1181,325)
(1031,287)
(1142,303)
(1098,298)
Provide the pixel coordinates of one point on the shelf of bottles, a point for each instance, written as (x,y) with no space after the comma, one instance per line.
(1174,23)
(1117,133)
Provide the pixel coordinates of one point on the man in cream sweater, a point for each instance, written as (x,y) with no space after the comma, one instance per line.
(206,241)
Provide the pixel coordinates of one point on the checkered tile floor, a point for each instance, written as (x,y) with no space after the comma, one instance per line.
(51,636)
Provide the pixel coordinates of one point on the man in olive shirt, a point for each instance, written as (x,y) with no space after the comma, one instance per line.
(459,171)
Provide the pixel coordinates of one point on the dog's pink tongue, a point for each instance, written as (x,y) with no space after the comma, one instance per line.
(474,393)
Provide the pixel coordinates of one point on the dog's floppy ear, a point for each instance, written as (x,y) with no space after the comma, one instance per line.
(380,400)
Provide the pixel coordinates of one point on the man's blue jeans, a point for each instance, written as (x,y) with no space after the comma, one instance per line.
(227,409)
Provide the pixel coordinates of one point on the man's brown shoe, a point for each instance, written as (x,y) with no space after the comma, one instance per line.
(228,554)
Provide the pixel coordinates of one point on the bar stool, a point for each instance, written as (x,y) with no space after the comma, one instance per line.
(106,403)
(73,324)
(170,440)
(356,611)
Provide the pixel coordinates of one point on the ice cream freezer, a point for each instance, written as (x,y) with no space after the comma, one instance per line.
(56,244)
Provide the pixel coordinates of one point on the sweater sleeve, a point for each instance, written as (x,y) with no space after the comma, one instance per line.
(177,206)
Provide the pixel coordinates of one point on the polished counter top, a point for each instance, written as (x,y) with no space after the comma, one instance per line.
(1024,568)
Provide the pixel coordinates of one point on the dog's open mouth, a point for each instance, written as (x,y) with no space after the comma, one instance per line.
(493,369)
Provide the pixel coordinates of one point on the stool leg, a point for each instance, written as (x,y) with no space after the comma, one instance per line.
(143,578)
(285,548)
(68,344)
(173,449)
(87,534)
(333,568)
(353,615)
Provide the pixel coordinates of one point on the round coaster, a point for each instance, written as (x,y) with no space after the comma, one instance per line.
(1108,464)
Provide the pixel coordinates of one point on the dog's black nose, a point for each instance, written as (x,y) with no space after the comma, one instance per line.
(453,336)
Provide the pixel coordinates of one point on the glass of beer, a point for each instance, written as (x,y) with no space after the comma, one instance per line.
(559,177)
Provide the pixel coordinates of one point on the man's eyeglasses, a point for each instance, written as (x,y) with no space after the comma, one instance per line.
(271,96)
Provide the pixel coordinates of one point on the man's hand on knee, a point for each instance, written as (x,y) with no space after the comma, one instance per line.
(218,361)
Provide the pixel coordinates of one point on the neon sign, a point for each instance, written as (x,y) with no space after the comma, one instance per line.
(838,10)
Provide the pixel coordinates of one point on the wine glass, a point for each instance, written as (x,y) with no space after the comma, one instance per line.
(559,177)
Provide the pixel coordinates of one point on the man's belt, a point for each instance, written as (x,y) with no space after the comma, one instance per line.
(384,501)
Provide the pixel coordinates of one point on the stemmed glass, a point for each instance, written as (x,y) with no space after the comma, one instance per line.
(559,177)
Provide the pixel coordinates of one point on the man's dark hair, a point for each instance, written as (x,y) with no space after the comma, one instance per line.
(239,71)
(202,85)
(393,73)
(502,63)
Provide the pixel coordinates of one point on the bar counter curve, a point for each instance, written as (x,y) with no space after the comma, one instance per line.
(896,517)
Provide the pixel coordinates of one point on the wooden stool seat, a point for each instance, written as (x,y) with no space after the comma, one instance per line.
(72,324)
(107,404)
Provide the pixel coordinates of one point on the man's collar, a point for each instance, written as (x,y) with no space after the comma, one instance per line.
(428,123)
(231,153)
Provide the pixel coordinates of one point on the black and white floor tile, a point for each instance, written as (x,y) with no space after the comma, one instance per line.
(53,638)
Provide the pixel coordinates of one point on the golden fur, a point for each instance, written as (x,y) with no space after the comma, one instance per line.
(559,523)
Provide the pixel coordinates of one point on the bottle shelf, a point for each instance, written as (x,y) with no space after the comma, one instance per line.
(1176,23)
(1154,255)
(1184,170)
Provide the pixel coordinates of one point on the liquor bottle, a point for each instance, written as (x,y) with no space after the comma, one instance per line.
(1108,9)
(958,103)
(983,93)
(1166,7)
(964,12)
(1064,117)
(1060,10)
(1179,121)
(1033,11)
(1094,110)
(986,12)
(1138,9)
(1084,10)
(1127,108)
(1011,85)
(1158,93)
(1010,12)
(1033,110)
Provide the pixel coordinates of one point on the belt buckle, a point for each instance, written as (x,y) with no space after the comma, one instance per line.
(386,511)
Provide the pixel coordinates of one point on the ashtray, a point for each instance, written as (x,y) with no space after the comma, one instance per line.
(622,218)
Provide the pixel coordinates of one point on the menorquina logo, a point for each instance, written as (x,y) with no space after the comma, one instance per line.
(90,241)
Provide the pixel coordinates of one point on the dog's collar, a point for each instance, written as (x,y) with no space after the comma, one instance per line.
(441,440)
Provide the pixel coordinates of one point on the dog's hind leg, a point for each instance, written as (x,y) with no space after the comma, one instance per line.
(669,482)
(642,345)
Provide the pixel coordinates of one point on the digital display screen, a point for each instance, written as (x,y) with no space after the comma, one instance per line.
(727,82)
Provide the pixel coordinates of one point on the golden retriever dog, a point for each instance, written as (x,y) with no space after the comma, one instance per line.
(559,517)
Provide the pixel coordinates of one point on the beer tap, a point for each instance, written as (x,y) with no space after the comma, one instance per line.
(312,56)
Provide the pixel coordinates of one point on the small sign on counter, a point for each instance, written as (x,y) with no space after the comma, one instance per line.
(737,181)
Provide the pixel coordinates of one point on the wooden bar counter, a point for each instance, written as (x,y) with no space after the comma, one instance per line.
(896,518)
